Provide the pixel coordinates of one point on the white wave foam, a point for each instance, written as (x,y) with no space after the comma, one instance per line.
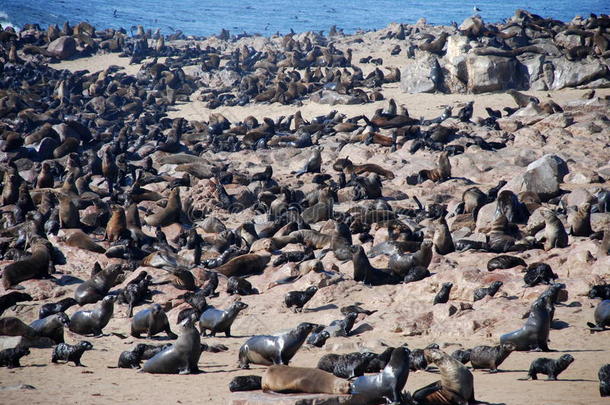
(5,22)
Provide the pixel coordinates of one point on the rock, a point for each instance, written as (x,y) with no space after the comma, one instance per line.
(583,177)
(332,98)
(457,48)
(525,157)
(62,48)
(508,124)
(264,398)
(542,176)
(572,74)
(420,76)
(490,73)
(472,26)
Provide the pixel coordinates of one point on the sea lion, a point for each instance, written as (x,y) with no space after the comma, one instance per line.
(441,173)
(79,239)
(363,271)
(97,286)
(539,273)
(402,264)
(11,326)
(298,299)
(535,333)
(37,265)
(11,299)
(504,262)
(314,162)
(52,326)
(10,357)
(463,356)
(117,225)
(240,286)
(604,380)
(245,383)
(282,378)
(443,295)
(91,322)
(554,232)
(244,265)
(181,357)
(279,349)
(135,292)
(68,213)
(601,316)
(170,214)
(483,292)
(216,320)
(456,385)
(151,321)
(550,367)
(342,327)
(443,242)
(490,357)
(69,353)
(580,222)
(345,365)
(389,382)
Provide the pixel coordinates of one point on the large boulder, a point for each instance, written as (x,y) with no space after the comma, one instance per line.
(542,177)
(421,76)
(62,48)
(491,73)
(572,74)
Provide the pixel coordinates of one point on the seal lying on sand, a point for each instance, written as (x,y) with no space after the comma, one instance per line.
(281,378)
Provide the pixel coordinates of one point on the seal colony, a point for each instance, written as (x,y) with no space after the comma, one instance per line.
(111,200)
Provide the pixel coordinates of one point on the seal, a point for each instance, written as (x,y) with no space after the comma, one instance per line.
(216,320)
(91,322)
(245,383)
(68,213)
(132,359)
(504,262)
(604,380)
(151,321)
(601,316)
(535,333)
(403,264)
(11,326)
(442,240)
(244,265)
(443,295)
(463,356)
(456,385)
(10,357)
(11,299)
(279,349)
(345,365)
(580,222)
(389,382)
(94,289)
(550,367)
(52,326)
(483,292)
(181,357)
(170,214)
(313,164)
(117,225)
(554,232)
(539,273)
(69,353)
(37,265)
(282,378)
(490,357)
(600,291)
(240,286)
(298,299)
(342,327)
(79,239)
(135,292)
(363,271)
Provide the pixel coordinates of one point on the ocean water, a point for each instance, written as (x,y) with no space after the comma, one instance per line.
(266,17)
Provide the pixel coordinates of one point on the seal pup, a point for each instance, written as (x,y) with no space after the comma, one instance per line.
(52,326)
(245,383)
(601,316)
(282,378)
(10,357)
(600,291)
(483,292)
(11,299)
(279,349)
(91,322)
(181,357)
(240,286)
(298,299)
(313,163)
(550,367)
(456,385)
(132,358)
(216,320)
(504,262)
(604,380)
(490,357)
(554,231)
(535,333)
(342,327)
(389,382)
(151,321)
(345,365)
(539,273)
(443,295)
(69,353)
(580,222)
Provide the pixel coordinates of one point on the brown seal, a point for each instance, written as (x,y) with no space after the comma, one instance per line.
(68,214)
(440,173)
(443,242)
(455,387)
(490,357)
(244,265)
(37,265)
(117,225)
(280,378)
(402,263)
(170,214)
(580,222)
(79,239)
(554,232)
(97,286)
(11,326)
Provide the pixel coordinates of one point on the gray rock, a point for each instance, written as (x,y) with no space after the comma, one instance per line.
(542,177)
(333,98)
(491,73)
(62,48)
(572,74)
(421,76)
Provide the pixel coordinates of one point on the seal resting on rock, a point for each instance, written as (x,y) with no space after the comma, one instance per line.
(181,357)
(268,350)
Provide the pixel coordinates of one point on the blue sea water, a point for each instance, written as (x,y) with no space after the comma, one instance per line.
(201,17)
